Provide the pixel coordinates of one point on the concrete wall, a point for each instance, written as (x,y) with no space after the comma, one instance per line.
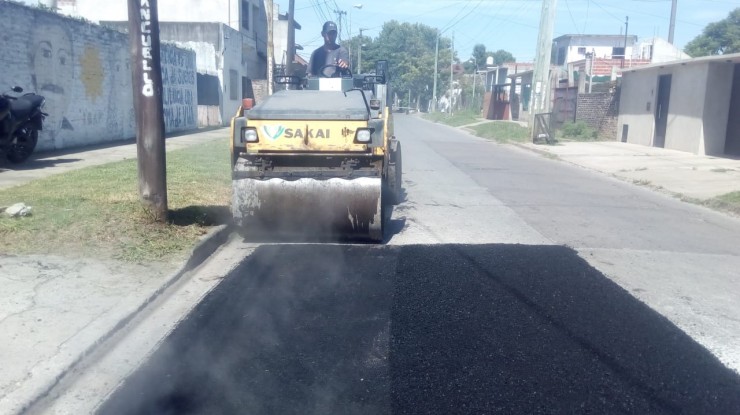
(717,107)
(732,145)
(697,111)
(222,52)
(83,71)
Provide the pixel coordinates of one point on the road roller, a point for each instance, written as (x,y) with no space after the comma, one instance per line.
(318,158)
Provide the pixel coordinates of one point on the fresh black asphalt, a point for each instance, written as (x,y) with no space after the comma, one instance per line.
(341,329)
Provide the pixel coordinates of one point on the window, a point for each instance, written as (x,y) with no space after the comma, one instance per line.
(233,85)
(582,51)
(617,52)
(245,15)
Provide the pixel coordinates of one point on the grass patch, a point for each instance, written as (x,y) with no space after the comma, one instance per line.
(577,131)
(96,211)
(721,170)
(457,119)
(729,202)
(502,131)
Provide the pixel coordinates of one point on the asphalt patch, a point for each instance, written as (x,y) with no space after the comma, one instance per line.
(425,329)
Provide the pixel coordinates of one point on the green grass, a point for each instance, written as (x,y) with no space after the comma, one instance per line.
(728,202)
(502,131)
(457,119)
(96,211)
(577,131)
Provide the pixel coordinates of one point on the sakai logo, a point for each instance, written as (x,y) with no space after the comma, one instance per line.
(277,131)
(273,131)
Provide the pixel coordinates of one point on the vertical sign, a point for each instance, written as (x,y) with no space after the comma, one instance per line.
(146,71)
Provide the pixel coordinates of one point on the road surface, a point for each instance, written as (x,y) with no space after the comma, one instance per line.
(509,283)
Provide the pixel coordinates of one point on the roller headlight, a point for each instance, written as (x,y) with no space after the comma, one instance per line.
(363,135)
(249,135)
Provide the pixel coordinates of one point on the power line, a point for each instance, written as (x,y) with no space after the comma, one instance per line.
(567,6)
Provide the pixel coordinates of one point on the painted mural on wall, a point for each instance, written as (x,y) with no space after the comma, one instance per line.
(179,96)
(84,72)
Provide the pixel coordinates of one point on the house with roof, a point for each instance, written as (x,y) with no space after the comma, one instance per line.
(689,105)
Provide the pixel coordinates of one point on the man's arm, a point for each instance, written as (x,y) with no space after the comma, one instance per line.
(310,65)
(343,57)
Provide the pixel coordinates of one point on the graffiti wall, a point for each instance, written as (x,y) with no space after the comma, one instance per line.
(84,72)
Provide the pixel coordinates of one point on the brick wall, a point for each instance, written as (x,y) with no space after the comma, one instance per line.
(83,71)
(600,111)
(603,66)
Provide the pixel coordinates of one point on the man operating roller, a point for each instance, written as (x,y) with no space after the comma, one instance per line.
(328,54)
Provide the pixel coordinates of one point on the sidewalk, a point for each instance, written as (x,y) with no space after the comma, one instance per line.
(54,311)
(676,172)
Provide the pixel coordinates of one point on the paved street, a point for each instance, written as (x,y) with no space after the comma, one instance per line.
(510,283)
(441,328)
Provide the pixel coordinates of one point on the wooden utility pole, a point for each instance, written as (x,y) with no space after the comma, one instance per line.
(270,50)
(147,84)
(540,100)
(452,61)
(359,52)
(434,88)
(672,27)
(626,29)
(291,39)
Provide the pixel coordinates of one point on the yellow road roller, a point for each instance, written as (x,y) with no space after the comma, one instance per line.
(317,159)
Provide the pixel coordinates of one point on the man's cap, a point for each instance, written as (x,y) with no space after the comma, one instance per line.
(329,26)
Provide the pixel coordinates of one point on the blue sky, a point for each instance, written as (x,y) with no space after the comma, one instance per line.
(510,24)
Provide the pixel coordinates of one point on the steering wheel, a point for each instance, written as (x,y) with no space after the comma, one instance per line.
(335,73)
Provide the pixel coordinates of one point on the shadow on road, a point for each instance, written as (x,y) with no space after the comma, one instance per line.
(425,329)
(35,164)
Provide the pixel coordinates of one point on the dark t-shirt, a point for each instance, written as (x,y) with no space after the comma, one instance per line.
(321,57)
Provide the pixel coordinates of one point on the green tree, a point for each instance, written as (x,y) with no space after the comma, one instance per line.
(502,56)
(480,55)
(409,49)
(718,38)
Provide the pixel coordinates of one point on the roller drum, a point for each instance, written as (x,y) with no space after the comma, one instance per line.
(335,207)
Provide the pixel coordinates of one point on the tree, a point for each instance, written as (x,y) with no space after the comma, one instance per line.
(480,55)
(502,56)
(409,49)
(718,38)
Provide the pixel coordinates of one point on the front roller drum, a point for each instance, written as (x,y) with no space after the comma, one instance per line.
(310,208)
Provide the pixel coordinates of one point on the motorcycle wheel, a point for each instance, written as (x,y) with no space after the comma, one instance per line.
(25,142)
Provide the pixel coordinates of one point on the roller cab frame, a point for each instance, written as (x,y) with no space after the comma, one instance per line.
(319,159)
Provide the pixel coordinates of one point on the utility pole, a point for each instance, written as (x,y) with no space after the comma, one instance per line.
(472,102)
(540,101)
(452,61)
(270,51)
(339,18)
(359,53)
(146,72)
(291,39)
(626,28)
(672,27)
(434,88)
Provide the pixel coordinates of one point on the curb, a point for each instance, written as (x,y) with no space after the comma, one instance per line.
(213,240)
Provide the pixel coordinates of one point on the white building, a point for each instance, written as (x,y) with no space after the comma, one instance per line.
(658,50)
(571,48)
(228,36)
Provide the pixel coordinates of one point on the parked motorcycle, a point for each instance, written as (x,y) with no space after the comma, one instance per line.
(21,119)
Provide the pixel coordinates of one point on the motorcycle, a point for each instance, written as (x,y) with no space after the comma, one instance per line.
(21,119)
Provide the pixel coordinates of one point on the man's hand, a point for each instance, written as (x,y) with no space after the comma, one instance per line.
(342,64)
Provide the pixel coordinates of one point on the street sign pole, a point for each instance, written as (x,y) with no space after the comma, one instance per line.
(147,85)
